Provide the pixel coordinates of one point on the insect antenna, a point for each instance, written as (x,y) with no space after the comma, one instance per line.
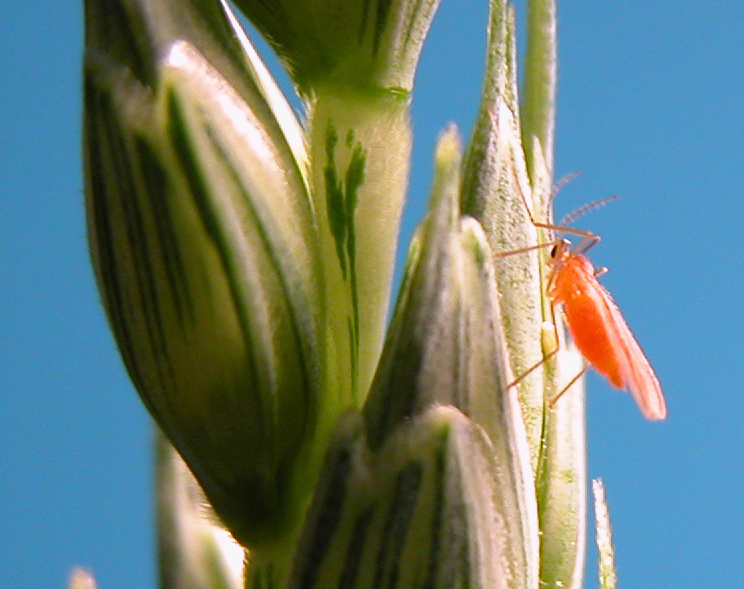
(554,192)
(573,215)
(561,183)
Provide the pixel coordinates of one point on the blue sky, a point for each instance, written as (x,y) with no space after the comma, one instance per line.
(649,108)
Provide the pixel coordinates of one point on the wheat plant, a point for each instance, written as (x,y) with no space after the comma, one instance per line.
(245,257)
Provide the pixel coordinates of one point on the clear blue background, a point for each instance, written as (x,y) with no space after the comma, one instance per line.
(650,107)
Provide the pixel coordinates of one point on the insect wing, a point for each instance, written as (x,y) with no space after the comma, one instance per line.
(636,371)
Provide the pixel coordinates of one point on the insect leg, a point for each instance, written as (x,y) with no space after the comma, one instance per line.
(526,249)
(554,400)
(531,369)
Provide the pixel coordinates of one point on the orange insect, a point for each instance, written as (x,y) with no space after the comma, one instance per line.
(595,323)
